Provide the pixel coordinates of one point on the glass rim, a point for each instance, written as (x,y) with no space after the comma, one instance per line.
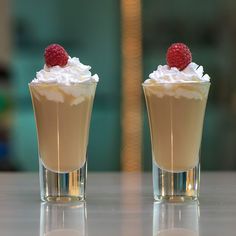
(30,84)
(175,83)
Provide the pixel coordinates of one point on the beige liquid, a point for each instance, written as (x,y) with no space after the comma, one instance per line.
(66,232)
(62,126)
(177,232)
(176,129)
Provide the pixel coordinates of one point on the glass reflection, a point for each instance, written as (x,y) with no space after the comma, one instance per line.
(171,219)
(63,220)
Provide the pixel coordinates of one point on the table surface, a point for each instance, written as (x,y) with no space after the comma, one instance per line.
(117,204)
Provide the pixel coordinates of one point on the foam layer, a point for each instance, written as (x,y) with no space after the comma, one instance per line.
(60,93)
(178,90)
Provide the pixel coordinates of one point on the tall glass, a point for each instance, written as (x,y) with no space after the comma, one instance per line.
(176,114)
(62,115)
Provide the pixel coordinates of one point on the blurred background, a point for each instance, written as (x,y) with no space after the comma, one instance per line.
(95,31)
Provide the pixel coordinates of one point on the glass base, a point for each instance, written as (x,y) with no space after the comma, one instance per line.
(176,187)
(62,187)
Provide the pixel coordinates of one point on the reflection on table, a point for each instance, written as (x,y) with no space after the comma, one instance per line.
(170,219)
(63,220)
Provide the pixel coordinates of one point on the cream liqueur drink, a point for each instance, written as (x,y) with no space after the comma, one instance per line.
(176,96)
(176,101)
(62,95)
(62,99)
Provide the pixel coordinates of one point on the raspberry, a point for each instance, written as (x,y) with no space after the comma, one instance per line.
(55,55)
(178,55)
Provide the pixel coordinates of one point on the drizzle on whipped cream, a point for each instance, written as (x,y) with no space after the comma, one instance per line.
(174,82)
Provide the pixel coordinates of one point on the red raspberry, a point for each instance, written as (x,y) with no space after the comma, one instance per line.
(178,55)
(55,55)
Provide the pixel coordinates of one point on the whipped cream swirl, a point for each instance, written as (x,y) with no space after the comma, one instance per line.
(173,82)
(165,74)
(74,72)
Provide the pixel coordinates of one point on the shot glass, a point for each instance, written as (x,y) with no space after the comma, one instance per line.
(62,115)
(176,114)
(58,219)
(176,219)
